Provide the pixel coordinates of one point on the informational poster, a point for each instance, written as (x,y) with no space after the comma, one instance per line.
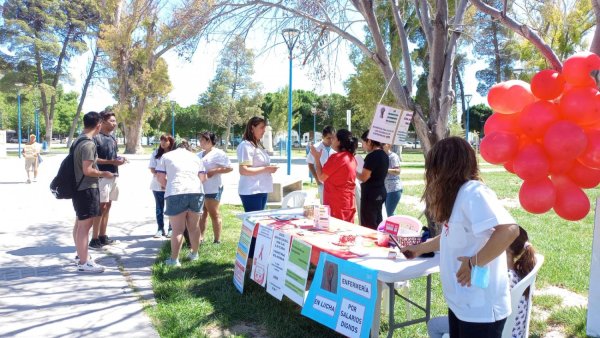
(280,246)
(342,296)
(241,255)
(296,272)
(262,253)
(390,125)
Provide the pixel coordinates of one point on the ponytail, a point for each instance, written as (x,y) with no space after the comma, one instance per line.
(525,263)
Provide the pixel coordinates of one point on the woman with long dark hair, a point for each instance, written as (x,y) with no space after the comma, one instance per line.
(256,180)
(338,175)
(476,232)
(373,193)
(167,143)
(215,163)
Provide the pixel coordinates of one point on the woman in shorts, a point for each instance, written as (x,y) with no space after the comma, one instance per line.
(215,163)
(182,173)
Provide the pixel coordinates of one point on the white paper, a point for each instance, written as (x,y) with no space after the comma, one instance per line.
(280,245)
(262,253)
(390,125)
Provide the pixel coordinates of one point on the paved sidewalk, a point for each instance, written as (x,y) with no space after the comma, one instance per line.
(42,294)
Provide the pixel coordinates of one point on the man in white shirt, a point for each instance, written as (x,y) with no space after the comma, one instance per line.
(325,147)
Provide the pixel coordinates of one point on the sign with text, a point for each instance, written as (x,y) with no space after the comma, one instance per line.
(241,255)
(342,296)
(280,246)
(391,227)
(296,272)
(262,252)
(390,125)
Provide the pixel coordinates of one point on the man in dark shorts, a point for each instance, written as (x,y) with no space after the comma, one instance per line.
(86,200)
(106,145)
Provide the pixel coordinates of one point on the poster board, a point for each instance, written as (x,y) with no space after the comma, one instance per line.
(296,272)
(262,255)
(277,261)
(593,314)
(241,255)
(342,296)
(390,125)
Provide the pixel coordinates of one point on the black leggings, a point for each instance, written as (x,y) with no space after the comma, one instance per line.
(371,204)
(460,329)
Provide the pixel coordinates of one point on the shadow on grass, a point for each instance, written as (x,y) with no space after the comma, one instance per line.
(207,287)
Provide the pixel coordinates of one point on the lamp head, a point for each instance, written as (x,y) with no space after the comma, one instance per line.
(468,98)
(290,36)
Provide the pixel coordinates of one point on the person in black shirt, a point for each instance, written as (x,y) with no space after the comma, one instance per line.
(373,183)
(106,145)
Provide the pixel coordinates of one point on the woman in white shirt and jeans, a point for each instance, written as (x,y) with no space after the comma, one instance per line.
(182,172)
(476,232)
(167,143)
(215,163)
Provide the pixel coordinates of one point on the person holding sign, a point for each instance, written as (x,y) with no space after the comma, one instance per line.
(338,175)
(477,231)
(373,193)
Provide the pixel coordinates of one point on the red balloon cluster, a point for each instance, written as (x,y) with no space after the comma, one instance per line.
(548,134)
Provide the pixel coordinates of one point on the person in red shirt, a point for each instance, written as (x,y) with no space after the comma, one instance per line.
(338,175)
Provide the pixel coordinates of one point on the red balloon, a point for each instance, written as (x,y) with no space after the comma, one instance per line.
(509,167)
(510,97)
(560,166)
(547,84)
(576,69)
(591,155)
(499,147)
(535,119)
(531,163)
(537,197)
(501,122)
(565,140)
(571,203)
(580,105)
(585,177)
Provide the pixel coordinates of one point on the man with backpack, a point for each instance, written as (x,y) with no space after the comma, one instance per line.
(106,145)
(86,198)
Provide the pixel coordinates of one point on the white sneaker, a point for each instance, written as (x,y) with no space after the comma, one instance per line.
(89,257)
(192,256)
(172,262)
(35,179)
(90,266)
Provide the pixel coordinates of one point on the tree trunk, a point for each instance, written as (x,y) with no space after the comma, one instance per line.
(595,47)
(133,132)
(88,79)
(227,132)
(43,97)
(59,66)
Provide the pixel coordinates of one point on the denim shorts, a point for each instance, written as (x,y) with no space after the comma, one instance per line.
(216,196)
(176,204)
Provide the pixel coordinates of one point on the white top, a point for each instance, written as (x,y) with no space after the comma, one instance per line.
(214,159)
(327,151)
(154,185)
(475,213)
(182,168)
(252,156)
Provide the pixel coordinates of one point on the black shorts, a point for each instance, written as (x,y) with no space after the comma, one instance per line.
(87,203)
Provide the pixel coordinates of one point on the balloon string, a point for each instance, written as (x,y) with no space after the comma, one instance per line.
(386,88)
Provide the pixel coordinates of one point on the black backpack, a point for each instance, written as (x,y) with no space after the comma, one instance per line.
(64,185)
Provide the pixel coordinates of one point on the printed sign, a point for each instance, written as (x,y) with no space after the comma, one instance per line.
(279,256)
(241,255)
(390,125)
(391,227)
(262,252)
(342,296)
(296,272)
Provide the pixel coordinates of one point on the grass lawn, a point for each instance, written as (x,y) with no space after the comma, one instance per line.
(200,297)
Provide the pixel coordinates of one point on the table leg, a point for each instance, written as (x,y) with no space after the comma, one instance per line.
(428,304)
(377,315)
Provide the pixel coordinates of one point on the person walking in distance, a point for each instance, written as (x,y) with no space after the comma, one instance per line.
(86,200)
(106,145)
(324,146)
(31,152)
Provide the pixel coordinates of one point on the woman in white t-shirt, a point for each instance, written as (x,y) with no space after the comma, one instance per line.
(476,232)
(181,172)
(256,180)
(167,143)
(31,152)
(215,163)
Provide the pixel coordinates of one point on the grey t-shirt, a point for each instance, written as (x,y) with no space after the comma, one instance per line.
(85,151)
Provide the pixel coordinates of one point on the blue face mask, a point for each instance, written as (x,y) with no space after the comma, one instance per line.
(480,276)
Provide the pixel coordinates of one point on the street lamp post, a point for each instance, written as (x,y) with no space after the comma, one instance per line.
(19,85)
(313,110)
(37,124)
(468,100)
(173,118)
(290,36)
(299,134)
(349,119)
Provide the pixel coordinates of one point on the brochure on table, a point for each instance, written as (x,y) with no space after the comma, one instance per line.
(342,296)
(296,272)
(279,256)
(390,125)
(262,252)
(241,255)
